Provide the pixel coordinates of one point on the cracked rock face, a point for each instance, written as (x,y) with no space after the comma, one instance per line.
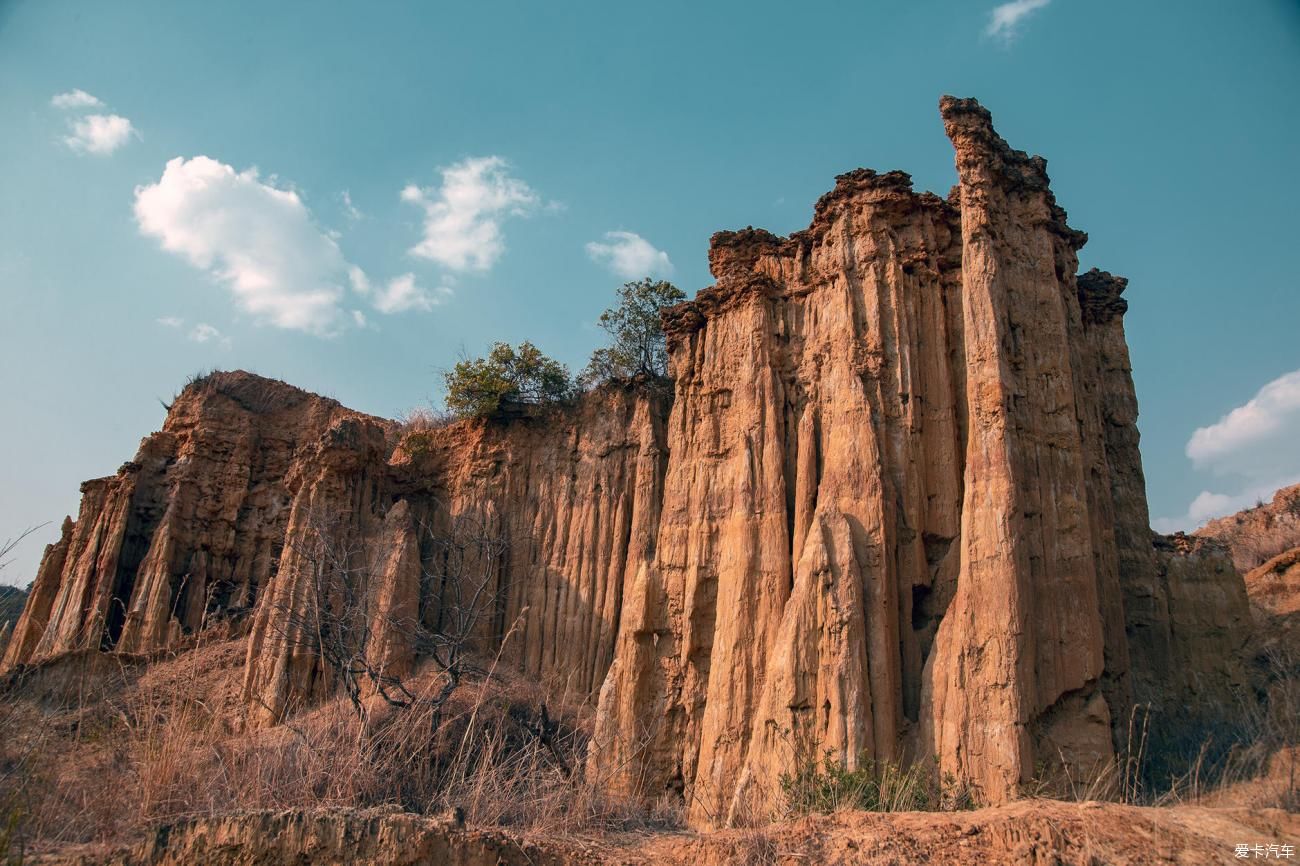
(894,508)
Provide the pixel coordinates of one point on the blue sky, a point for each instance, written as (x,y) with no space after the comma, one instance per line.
(347,196)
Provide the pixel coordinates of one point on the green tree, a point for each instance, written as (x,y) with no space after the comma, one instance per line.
(479,387)
(638,348)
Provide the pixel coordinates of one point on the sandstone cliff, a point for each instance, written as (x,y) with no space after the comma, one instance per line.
(1265,544)
(893,508)
(1260,533)
(192,527)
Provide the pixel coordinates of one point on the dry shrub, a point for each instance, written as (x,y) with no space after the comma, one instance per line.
(162,747)
(424,419)
(1243,753)
(1255,751)
(753,846)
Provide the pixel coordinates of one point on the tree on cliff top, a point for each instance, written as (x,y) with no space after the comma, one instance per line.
(639,349)
(480,387)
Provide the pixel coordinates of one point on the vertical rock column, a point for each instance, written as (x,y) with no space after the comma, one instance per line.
(333,524)
(1025,628)
(40,601)
(1145,598)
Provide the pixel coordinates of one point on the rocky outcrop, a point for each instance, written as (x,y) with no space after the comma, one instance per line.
(563,499)
(1258,534)
(192,528)
(1209,624)
(1275,585)
(813,495)
(913,510)
(893,508)
(1265,545)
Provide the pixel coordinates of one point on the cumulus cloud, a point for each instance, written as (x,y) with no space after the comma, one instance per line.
(1249,437)
(463,217)
(1252,449)
(257,239)
(100,134)
(629,255)
(399,295)
(200,333)
(75,99)
(1005,20)
(261,242)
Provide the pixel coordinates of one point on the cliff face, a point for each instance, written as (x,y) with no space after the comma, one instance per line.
(192,528)
(911,501)
(894,508)
(812,499)
(1264,542)
(566,500)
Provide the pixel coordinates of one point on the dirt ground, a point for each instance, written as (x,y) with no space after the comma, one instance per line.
(1038,832)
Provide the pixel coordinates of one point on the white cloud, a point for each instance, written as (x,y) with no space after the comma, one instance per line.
(1005,20)
(200,333)
(1208,505)
(99,133)
(205,333)
(257,239)
(1249,437)
(349,208)
(462,219)
(75,99)
(400,295)
(1253,448)
(629,255)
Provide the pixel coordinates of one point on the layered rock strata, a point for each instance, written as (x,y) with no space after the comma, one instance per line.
(893,508)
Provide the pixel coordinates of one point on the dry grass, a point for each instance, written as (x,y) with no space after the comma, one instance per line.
(144,749)
(415,431)
(424,419)
(1251,754)
(99,758)
(1243,754)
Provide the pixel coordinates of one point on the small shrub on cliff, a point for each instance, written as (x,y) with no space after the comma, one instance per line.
(638,348)
(481,387)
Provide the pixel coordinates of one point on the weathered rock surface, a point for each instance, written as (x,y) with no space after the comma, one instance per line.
(1258,534)
(912,510)
(1209,625)
(192,528)
(574,495)
(894,508)
(1275,585)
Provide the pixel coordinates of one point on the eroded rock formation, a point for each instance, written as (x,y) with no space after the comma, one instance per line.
(893,508)
(1258,534)
(192,527)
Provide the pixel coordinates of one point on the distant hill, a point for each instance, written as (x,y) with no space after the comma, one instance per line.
(1258,534)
